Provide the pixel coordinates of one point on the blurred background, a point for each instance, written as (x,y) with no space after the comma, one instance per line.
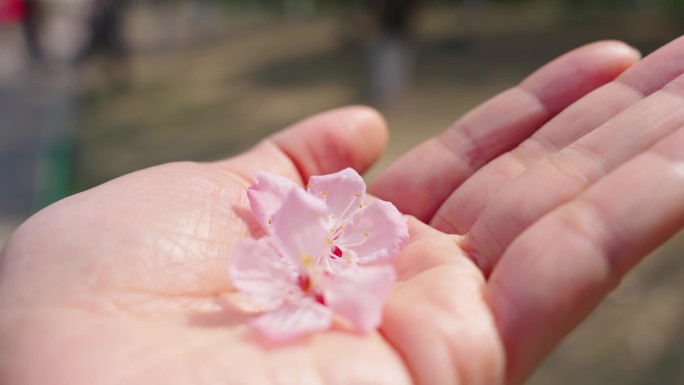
(93,89)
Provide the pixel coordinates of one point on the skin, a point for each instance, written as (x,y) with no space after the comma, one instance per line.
(536,203)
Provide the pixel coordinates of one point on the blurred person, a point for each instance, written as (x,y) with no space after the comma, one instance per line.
(523,218)
(391,55)
(11,10)
(395,16)
(106,38)
(32,25)
(29,14)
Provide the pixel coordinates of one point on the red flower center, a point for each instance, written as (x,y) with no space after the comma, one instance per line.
(337,252)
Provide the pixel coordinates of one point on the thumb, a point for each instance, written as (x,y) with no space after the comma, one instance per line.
(328,142)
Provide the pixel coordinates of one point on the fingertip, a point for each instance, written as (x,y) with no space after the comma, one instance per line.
(370,131)
(613,57)
(609,57)
(419,229)
(579,71)
(617,48)
(352,136)
(322,144)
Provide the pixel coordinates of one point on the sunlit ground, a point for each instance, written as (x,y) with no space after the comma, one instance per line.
(206,91)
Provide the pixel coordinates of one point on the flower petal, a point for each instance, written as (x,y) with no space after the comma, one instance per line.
(336,265)
(292,320)
(300,228)
(258,270)
(342,191)
(358,294)
(267,195)
(375,233)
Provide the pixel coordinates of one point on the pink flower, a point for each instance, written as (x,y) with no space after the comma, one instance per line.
(283,272)
(358,234)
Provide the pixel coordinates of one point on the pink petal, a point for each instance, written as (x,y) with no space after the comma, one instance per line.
(342,191)
(376,233)
(300,227)
(267,194)
(336,265)
(258,270)
(359,294)
(292,320)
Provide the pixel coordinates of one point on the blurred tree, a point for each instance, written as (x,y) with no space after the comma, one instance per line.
(675,8)
(600,4)
(299,8)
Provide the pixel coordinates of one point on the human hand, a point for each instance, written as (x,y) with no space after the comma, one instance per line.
(554,214)
(125,283)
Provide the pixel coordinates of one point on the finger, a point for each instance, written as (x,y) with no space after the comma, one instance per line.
(497,126)
(562,176)
(557,272)
(435,316)
(328,142)
(465,205)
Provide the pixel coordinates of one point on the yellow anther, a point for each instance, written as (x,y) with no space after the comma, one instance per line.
(358,195)
(307,260)
(361,206)
(308,185)
(349,260)
(366,233)
(325,193)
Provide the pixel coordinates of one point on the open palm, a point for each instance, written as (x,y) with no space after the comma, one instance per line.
(552,186)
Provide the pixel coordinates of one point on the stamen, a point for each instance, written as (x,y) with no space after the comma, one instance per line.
(346,210)
(353,244)
(307,260)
